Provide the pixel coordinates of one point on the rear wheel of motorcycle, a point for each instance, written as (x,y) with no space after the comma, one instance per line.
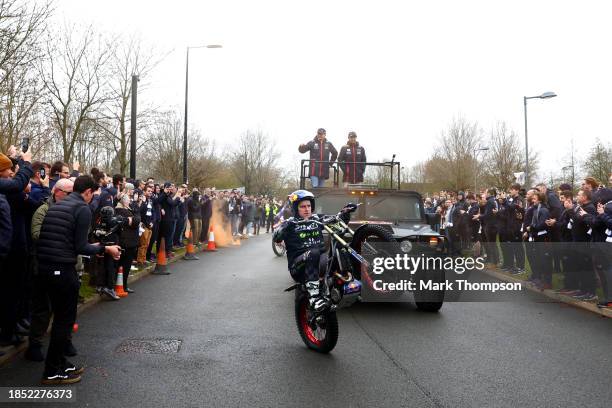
(323,339)
(372,233)
(278,248)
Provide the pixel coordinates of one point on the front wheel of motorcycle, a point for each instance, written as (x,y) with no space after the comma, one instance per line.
(321,337)
(278,248)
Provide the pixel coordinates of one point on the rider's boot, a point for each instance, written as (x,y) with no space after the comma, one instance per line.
(318,302)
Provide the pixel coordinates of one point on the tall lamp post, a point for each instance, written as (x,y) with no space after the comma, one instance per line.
(545,95)
(476,150)
(186,105)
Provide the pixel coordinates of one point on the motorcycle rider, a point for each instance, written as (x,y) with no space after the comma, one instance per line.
(306,255)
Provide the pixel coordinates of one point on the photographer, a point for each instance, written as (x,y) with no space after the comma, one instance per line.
(63,236)
(168,200)
(128,238)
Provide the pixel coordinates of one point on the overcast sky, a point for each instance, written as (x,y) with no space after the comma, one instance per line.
(396,72)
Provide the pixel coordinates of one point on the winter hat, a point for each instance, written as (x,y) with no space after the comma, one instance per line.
(5,162)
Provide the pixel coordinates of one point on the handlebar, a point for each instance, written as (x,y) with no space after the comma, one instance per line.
(329,219)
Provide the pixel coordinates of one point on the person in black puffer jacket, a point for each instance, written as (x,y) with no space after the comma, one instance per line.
(129,238)
(194,214)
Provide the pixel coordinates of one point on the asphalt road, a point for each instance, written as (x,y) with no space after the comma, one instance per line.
(240,347)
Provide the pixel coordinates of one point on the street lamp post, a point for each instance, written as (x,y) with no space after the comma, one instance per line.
(186,106)
(545,95)
(477,149)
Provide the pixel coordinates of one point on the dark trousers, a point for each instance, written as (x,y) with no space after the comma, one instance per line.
(269,224)
(490,244)
(569,261)
(602,263)
(530,252)
(178,231)
(205,228)
(125,262)
(257,225)
(41,311)
(542,259)
(585,273)
(166,231)
(308,266)
(61,284)
(12,291)
(513,251)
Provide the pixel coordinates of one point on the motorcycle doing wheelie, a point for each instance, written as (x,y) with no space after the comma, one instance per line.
(319,330)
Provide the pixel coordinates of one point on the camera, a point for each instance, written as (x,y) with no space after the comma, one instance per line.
(108,225)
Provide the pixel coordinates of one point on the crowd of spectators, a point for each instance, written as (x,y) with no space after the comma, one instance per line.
(137,215)
(560,231)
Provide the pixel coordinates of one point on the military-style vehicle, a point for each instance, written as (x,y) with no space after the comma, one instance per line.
(397,212)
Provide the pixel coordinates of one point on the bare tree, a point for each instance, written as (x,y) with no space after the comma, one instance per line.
(128,57)
(504,157)
(253,162)
(453,165)
(75,74)
(21,24)
(21,93)
(598,163)
(162,157)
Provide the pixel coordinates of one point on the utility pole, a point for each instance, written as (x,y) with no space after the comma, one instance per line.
(133,128)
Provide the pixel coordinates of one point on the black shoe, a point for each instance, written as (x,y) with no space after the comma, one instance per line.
(60,378)
(22,331)
(34,353)
(15,340)
(25,323)
(69,350)
(71,369)
(128,290)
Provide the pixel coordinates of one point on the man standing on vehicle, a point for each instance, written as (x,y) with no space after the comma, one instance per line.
(352,159)
(322,155)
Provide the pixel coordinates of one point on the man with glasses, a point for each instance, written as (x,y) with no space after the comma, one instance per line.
(322,156)
(41,312)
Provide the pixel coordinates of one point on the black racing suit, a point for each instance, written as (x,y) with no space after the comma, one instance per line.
(306,256)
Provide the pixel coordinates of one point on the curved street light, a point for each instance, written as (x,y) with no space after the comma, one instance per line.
(545,95)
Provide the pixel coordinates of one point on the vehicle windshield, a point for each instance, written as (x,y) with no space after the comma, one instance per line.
(377,208)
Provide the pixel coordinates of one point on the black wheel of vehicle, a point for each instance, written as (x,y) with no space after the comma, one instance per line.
(278,248)
(373,234)
(430,300)
(324,335)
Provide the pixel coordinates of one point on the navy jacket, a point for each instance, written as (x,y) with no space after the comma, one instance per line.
(6,227)
(19,182)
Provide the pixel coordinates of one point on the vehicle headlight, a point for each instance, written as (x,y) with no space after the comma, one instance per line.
(406,246)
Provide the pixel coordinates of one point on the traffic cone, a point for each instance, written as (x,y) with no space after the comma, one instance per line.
(119,285)
(161,268)
(189,254)
(211,240)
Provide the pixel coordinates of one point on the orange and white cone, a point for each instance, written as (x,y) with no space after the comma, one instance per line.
(190,253)
(161,268)
(119,285)
(211,240)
